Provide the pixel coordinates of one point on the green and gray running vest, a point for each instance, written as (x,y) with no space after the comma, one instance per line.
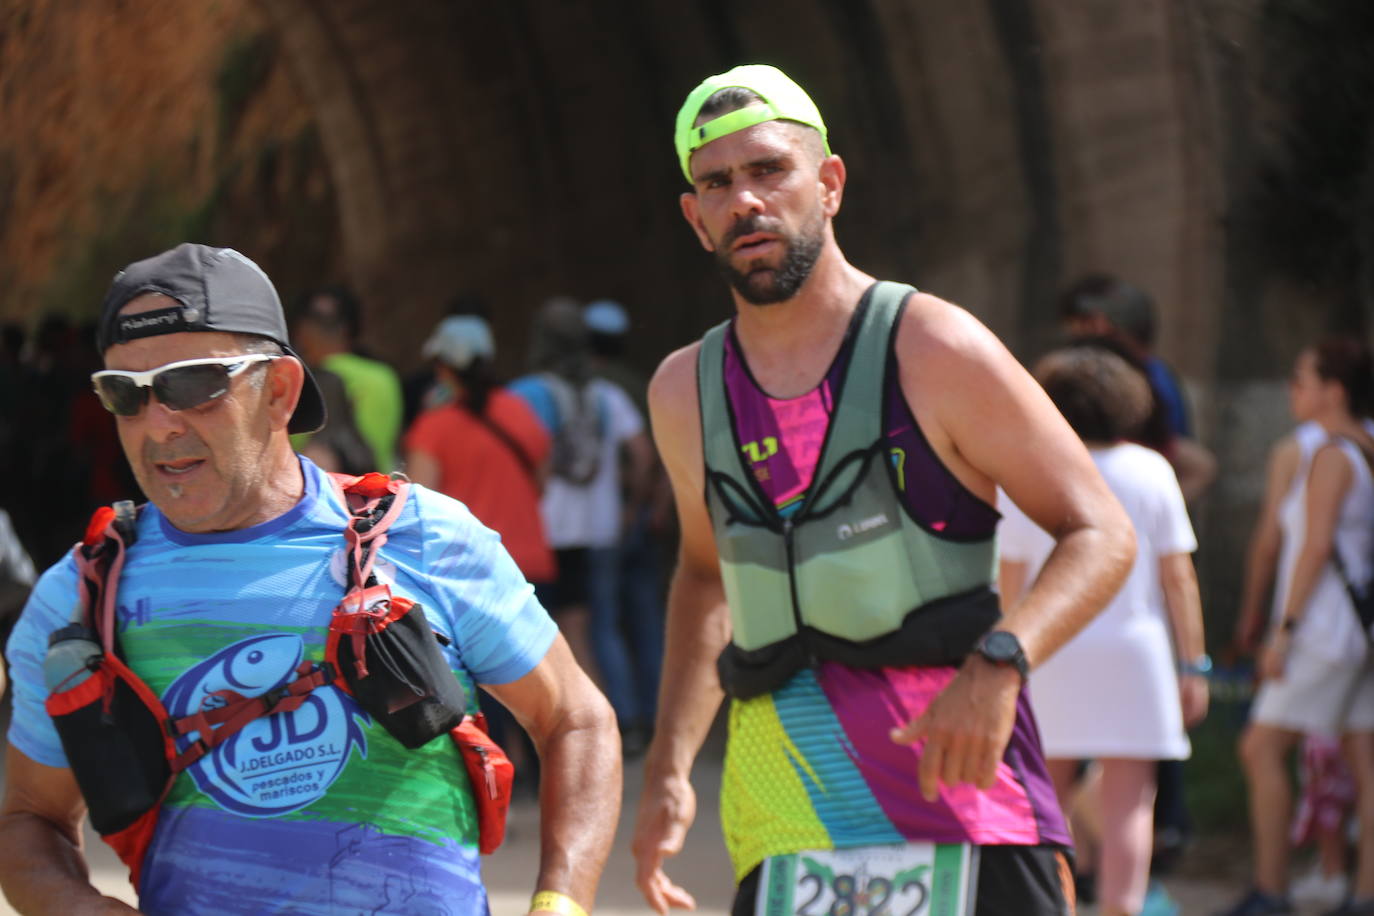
(850,576)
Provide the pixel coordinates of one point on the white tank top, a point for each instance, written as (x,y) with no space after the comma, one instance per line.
(1329,628)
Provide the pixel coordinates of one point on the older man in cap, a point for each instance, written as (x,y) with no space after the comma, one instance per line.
(313,800)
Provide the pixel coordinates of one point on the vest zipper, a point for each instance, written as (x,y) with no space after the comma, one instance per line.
(787,539)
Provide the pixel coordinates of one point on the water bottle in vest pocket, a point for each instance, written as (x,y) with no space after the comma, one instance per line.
(109,725)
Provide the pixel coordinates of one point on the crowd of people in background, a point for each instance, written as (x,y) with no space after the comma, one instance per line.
(559,461)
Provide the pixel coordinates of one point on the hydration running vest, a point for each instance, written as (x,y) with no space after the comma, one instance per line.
(125,750)
(850,576)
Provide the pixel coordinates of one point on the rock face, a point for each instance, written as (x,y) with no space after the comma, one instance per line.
(419,149)
(128,127)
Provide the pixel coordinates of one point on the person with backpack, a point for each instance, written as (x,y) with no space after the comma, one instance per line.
(594,426)
(266,696)
(1316,671)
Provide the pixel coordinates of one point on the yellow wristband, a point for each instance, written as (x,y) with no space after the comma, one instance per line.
(557,903)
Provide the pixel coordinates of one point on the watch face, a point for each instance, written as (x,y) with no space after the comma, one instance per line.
(1001,646)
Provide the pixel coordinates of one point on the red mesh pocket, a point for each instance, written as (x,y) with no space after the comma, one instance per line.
(492,776)
(131,843)
(110,728)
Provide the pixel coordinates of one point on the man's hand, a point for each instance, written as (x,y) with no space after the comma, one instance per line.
(667,808)
(966,727)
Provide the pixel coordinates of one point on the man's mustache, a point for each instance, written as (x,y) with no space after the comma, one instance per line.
(187,445)
(747,225)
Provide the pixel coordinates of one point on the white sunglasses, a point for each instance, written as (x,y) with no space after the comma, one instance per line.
(178,386)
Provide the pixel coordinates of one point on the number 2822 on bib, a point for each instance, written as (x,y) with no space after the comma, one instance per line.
(905,879)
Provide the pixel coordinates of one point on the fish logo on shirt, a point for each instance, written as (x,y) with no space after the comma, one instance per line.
(279,762)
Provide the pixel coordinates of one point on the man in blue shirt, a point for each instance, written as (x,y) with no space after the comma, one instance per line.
(228,590)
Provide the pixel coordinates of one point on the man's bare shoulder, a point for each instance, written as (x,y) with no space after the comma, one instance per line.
(673,389)
(937,336)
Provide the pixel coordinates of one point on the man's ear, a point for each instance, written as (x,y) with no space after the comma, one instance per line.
(832,177)
(285,380)
(691,211)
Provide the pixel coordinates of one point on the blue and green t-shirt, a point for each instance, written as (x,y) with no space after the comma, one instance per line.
(317,810)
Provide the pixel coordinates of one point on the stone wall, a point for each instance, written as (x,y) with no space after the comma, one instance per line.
(418,149)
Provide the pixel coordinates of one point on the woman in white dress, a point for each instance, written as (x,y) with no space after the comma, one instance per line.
(1122,691)
(1315,670)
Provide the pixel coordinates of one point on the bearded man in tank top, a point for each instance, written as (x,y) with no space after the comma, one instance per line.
(849,436)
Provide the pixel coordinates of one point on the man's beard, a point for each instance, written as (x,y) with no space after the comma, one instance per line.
(760,283)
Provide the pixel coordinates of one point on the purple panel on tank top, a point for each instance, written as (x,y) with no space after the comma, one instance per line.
(930,493)
(782,476)
(1019,808)
(1026,756)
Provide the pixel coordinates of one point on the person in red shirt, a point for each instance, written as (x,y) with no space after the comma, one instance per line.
(482,445)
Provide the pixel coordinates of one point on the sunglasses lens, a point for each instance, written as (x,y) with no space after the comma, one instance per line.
(120,395)
(189,386)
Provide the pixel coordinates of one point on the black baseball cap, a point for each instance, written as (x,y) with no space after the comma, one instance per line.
(216,289)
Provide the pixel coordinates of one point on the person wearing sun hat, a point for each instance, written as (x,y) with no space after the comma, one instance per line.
(835,451)
(483,445)
(225,593)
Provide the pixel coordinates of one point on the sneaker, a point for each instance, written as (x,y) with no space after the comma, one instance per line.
(1258,903)
(1158,902)
(1318,889)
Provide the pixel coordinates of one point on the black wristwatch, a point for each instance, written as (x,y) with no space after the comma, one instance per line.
(1003,648)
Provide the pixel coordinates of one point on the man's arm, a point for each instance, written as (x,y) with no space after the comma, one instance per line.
(43,869)
(1262,556)
(574,731)
(991,424)
(1011,581)
(698,629)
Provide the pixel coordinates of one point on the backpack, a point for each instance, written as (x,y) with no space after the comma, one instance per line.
(1361,594)
(125,750)
(578,437)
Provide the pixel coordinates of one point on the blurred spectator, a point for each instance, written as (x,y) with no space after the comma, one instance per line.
(648,520)
(592,421)
(1123,689)
(325,333)
(477,442)
(16,581)
(338,445)
(483,445)
(1328,797)
(417,386)
(1102,308)
(55,497)
(1315,667)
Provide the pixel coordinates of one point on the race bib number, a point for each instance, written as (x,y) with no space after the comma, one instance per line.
(906,879)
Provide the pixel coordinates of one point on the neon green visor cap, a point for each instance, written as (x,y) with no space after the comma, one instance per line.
(783,100)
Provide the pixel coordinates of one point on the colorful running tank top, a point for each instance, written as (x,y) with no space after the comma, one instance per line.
(810,766)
